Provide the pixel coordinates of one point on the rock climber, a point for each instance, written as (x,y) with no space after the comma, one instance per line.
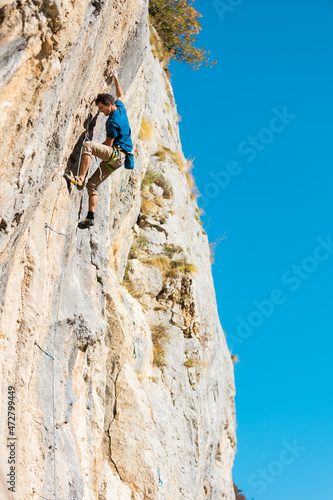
(112,152)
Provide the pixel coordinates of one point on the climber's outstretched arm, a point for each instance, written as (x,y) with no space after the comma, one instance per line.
(119,90)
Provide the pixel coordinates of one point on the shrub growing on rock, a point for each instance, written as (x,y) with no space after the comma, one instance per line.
(176,22)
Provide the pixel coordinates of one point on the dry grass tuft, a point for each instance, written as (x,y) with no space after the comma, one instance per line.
(160,261)
(129,284)
(146,131)
(165,185)
(150,206)
(168,89)
(198,213)
(148,180)
(176,157)
(178,160)
(139,245)
(190,180)
(181,266)
(214,244)
(161,153)
(235,359)
(189,164)
(160,336)
(191,362)
(171,249)
(170,267)
(154,177)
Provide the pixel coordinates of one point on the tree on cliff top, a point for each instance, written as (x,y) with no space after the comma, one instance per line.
(176,22)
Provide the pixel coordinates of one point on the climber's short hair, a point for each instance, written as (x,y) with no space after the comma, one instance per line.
(105,99)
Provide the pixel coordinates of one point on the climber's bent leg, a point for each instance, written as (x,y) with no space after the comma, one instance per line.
(90,148)
(99,176)
(102,152)
(95,180)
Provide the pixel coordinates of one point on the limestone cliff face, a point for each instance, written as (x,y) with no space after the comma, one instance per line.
(142,379)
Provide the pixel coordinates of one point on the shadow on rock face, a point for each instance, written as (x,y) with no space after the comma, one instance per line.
(133,52)
(73,160)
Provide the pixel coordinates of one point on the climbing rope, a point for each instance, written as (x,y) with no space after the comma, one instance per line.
(49,227)
(122,180)
(35,343)
(55,329)
(86,138)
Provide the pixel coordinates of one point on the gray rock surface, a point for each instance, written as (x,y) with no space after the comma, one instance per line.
(142,379)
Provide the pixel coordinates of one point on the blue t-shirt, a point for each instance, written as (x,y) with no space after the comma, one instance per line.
(117,126)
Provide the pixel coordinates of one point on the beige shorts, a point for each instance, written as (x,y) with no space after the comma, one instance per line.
(105,153)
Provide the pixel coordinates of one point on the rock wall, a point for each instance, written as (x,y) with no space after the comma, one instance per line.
(141,387)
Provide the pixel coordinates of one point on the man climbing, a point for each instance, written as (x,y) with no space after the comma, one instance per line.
(112,152)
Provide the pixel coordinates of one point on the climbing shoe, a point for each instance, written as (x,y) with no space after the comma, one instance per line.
(86,223)
(74,180)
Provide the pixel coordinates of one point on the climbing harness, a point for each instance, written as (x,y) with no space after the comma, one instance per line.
(134,351)
(113,159)
(160,482)
(35,343)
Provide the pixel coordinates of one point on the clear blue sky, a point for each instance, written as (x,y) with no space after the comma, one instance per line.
(260,126)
